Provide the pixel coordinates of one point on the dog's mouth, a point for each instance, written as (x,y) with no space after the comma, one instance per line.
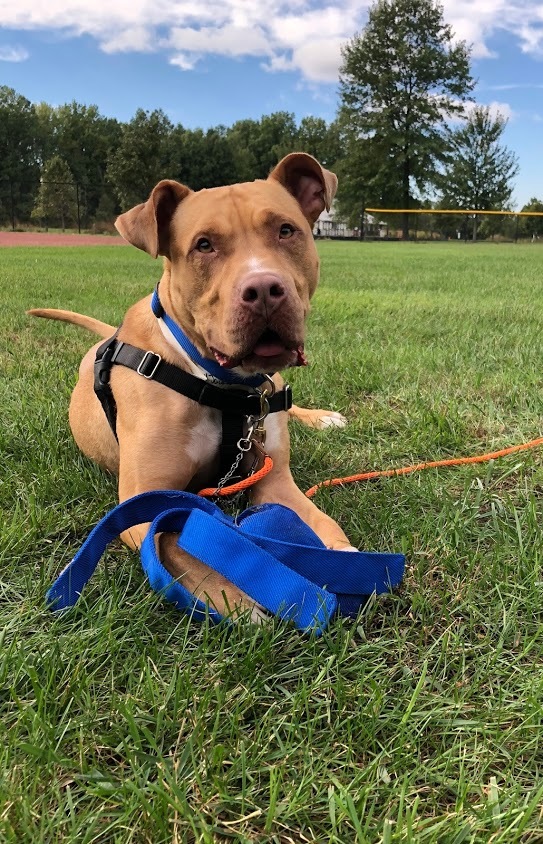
(269,353)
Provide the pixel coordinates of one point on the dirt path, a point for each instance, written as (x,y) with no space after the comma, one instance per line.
(52,239)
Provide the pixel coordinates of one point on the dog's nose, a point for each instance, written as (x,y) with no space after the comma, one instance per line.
(262,293)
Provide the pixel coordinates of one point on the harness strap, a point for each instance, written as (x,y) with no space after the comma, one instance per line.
(102,371)
(230,399)
(232,432)
(299,580)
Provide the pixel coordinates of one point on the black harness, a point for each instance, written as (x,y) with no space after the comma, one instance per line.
(237,402)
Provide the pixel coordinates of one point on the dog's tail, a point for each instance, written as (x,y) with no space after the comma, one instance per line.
(94,325)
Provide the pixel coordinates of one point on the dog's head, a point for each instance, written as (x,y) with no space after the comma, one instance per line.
(241,261)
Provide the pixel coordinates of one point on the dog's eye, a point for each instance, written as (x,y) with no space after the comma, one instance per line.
(204,245)
(286,230)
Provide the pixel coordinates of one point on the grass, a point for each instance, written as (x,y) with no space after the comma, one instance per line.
(421,721)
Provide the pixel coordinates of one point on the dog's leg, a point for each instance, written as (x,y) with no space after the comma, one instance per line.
(205,583)
(319,419)
(278,487)
(153,459)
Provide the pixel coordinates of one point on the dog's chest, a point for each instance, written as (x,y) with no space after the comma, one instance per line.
(203,445)
(204,439)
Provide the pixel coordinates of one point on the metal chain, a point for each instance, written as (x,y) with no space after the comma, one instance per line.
(255,426)
(244,445)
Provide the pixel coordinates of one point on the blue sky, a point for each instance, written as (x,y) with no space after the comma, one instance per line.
(223,60)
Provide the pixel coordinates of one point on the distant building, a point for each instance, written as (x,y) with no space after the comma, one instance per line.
(328,225)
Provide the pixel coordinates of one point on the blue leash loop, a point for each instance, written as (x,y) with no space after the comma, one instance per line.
(295,577)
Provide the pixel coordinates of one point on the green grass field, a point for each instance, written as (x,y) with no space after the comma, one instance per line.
(421,721)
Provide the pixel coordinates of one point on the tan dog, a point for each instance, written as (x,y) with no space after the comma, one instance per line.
(240,268)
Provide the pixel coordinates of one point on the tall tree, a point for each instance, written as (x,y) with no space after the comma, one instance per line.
(257,145)
(401,79)
(242,137)
(364,179)
(481,169)
(56,200)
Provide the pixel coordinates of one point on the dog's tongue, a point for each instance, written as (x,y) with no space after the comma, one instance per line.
(268,349)
(263,349)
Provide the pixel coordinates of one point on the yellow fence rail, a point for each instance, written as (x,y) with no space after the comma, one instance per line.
(458,211)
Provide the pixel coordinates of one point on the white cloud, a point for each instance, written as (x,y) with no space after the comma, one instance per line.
(515,86)
(502,109)
(477,22)
(279,63)
(132,39)
(296,35)
(184,61)
(319,60)
(226,41)
(8,53)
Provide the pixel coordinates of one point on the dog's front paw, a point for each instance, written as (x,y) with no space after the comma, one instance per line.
(331,419)
(319,419)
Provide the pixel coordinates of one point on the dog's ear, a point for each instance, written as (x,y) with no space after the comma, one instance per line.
(147,226)
(312,185)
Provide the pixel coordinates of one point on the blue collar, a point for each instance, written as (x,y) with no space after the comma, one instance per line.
(210,366)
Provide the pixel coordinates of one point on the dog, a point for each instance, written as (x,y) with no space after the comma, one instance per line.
(240,268)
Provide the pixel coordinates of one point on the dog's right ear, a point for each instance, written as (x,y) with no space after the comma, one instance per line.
(147,226)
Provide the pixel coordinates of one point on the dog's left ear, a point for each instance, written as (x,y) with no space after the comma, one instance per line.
(147,226)
(312,185)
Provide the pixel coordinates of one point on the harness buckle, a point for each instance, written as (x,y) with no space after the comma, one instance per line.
(105,356)
(146,361)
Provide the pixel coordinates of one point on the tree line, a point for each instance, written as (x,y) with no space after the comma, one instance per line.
(58,157)
(402,138)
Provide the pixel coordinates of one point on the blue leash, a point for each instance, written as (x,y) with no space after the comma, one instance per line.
(298,578)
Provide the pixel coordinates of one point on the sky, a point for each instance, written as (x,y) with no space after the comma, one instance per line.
(219,61)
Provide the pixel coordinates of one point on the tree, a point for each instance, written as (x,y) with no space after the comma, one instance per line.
(480,169)
(144,155)
(320,139)
(532,226)
(364,179)
(19,170)
(203,159)
(257,145)
(401,79)
(56,200)
(81,136)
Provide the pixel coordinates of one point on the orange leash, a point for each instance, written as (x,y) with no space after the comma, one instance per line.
(368,476)
(241,485)
(417,467)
